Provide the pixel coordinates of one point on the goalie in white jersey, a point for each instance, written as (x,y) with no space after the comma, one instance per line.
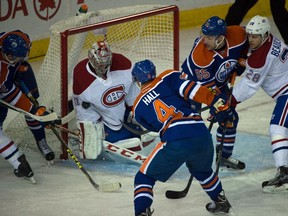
(103,95)
(267,67)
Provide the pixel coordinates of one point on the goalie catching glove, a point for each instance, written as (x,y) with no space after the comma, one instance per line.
(220,109)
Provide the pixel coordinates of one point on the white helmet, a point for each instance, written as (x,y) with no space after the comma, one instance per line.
(100,57)
(258,25)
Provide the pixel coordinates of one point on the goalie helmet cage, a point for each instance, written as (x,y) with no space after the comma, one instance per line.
(138,32)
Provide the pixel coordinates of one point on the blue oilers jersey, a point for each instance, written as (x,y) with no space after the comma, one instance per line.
(212,68)
(163,106)
(9,92)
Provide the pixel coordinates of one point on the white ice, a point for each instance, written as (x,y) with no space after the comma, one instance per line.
(62,189)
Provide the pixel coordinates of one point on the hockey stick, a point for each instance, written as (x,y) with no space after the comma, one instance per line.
(180,194)
(46,118)
(219,158)
(170,194)
(135,131)
(138,132)
(103,188)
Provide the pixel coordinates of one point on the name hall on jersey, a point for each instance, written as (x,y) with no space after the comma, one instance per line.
(150,97)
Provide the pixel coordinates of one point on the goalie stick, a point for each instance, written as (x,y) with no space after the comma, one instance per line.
(103,188)
(170,194)
(46,118)
(134,131)
(114,149)
(139,132)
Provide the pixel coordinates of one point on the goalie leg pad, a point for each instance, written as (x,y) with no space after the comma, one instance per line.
(91,138)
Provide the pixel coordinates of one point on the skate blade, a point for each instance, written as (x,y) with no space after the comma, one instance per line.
(231,170)
(230,212)
(49,163)
(274,189)
(31,180)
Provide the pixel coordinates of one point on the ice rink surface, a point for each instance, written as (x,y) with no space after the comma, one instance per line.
(62,189)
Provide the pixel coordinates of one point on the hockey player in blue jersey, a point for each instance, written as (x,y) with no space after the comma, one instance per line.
(213,58)
(17,81)
(163,106)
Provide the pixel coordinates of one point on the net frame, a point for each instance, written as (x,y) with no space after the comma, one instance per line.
(91,27)
(63,53)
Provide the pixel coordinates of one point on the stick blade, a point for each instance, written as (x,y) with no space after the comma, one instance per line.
(179,194)
(175,194)
(111,187)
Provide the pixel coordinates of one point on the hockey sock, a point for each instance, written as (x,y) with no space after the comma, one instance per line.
(143,192)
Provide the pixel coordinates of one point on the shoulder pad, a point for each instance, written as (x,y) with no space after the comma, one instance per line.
(200,56)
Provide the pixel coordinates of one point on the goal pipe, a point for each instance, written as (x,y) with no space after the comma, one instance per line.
(90,27)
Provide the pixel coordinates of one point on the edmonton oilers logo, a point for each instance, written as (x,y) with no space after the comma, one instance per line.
(224,70)
(14,44)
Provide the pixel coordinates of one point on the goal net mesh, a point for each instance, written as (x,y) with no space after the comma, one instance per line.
(147,37)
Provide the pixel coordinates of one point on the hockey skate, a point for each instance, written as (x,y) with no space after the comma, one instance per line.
(45,150)
(230,162)
(148,212)
(24,169)
(220,206)
(233,163)
(277,184)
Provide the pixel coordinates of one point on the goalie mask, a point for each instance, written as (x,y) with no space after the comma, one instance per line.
(100,57)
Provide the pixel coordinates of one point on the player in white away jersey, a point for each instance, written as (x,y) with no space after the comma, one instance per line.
(103,95)
(267,67)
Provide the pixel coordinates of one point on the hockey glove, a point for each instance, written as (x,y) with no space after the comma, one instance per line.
(220,109)
(240,66)
(211,118)
(41,111)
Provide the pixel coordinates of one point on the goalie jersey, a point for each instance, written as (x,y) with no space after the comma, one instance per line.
(163,106)
(96,99)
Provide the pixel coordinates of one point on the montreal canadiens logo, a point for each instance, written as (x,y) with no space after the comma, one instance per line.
(224,70)
(113,96)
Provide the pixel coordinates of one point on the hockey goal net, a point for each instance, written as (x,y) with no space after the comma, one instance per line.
(138,32)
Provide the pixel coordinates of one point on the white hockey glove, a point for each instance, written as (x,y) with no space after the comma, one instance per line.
(91,136)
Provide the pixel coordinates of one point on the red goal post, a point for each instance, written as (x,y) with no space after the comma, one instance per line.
(138,32)
(105,24)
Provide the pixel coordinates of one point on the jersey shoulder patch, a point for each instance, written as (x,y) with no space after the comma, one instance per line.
(235,36)
(120,62)
(201,56)
(82,79)
(258,58)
